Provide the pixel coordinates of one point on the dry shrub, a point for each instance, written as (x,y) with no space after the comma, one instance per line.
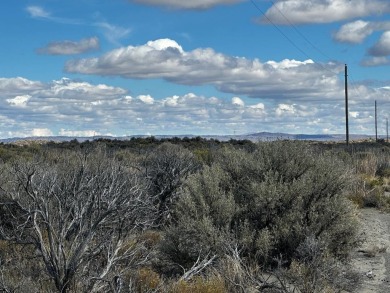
(150,238)
(165,169)
(314,270)
(244,276)
(199,284)
(366,163)
(18,273)
(146,280)
(357,198)
(370,192)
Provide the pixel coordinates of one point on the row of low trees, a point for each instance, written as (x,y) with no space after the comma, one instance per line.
(274,216)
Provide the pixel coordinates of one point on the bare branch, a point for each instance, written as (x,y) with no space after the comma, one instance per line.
(77,210)
(198,267)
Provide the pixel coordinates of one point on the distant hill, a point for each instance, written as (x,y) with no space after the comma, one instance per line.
(260,136)
(315,137)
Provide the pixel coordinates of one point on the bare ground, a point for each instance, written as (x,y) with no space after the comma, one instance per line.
(372,259)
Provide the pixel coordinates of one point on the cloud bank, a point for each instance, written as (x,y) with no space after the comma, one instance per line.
(78,108)
(166,59)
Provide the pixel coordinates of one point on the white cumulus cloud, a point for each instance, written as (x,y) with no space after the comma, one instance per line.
(357,31)
(382,47)
(283,109)
(323,11)
(354,32)
(147,99)
(375,61)
(164,44)
(259,106)
(238,102)
(78,133)
(19,101)
(18,85)
(167,60)
(41,132)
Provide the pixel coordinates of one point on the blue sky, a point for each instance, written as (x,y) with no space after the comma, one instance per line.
(127,67)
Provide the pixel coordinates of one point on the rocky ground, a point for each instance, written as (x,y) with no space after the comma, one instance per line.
(372,259)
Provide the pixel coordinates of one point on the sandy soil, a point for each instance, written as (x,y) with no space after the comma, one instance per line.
(372,259)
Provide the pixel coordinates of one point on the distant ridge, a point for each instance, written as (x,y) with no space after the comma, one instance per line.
(316,137)
(260,136)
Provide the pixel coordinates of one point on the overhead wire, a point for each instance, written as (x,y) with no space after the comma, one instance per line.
(290,40)
(299,32)
(352,82)
(279,30)
(354,85)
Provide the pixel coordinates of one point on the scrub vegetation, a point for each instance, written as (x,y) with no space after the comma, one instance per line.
(185,215)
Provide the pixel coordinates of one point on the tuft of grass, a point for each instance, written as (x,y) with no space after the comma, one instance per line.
(213,284)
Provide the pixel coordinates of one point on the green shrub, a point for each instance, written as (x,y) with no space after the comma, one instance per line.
(267,202)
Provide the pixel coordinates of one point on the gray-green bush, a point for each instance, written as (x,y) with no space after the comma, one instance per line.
(266,202)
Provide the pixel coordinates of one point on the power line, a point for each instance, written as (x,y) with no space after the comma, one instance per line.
(354,86)
(299,32)
(279,30)
(290,40)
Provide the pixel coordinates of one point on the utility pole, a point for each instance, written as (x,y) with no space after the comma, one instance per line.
(387,130)
(346,106)
(376,124)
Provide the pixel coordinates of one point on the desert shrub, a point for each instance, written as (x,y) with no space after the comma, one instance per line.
(166,168)
(365,162)
(376,198)
(81,212)
(146,280)
(373,182)
(313,270)
(267,202)
(370,191)
(357,197)
(203,155)
(150,238)
(18,273)
(212,284)
(371,162)
(383,168)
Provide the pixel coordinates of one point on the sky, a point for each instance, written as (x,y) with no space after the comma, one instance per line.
(193,67)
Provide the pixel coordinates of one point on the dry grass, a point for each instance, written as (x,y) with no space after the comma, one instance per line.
(212,284)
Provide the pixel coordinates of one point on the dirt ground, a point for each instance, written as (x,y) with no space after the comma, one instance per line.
(372,259)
